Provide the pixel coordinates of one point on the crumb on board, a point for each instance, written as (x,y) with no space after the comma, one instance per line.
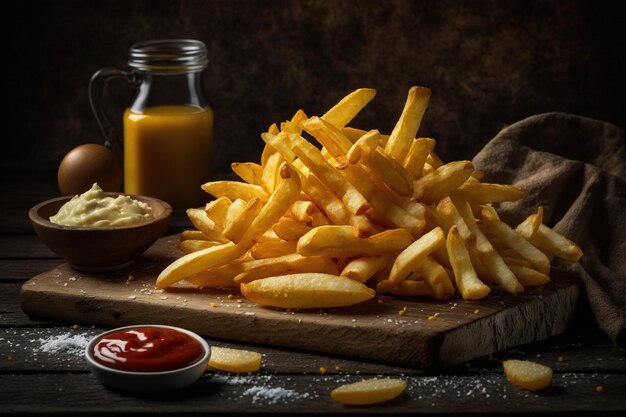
(322,370)
(599,389)
(431,318)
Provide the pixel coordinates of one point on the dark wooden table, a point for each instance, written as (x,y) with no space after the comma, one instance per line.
(34,379)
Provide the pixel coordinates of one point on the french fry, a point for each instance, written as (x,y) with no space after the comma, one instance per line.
(313,159)
(192,235)
(285,194)
(440,183)
(284,265)
(248,171)
(514,240)
(436,277)
(331,138)
(499,272)
(529,277)
(470,287)
(290,229)
(216,210)
(381,203)
(410,258)
(234,190)
(362,269)
(234,360)
(234,211)
(195,262)
(530,226)
(191,245)
(392,174)
(554,242)
(405,130)
(478,193)
(406,288)
(366,144)
(208,227)
(369,391)
(270,176)
(361,225)
(343,112)
(303,210)
(340,242)
(417,154)
(272,248)
(238,226)
(481,243)
(307,290)
(325,200)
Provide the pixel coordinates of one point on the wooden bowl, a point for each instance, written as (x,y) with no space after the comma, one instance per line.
(99,249)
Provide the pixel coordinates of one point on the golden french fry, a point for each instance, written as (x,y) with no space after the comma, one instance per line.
(331,138)
(391,173)
(406,288)
(272,248)
(443,181)
(366,144)
(481,243)
(285,194)
(410,258)
(361,225)
(433,160)
(306,290)
(529,227)
(405,130)
(381,203)
(554,242)
(238,226)
(325,200)
(295,124)
(436,277)
(470,287)
(529,277)
(234,360)
(499,272)
(208,227)
(290,229)
(348,107)
(192,235)
(268,149)
(285,265)
(195,262)
(369,391)
(528,375)
(355,134)
(270,176)
(234,190)
(362,269)
(234,211)
(248,171)
(313,159)
(514,240)
(220,276)
(417,154)
(191,245)
(303,210)
(483,193)
(217,209)
(281,143)
(340,241)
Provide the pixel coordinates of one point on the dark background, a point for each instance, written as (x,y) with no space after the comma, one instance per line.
(488,64)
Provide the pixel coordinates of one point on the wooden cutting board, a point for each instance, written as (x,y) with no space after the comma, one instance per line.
(462,330)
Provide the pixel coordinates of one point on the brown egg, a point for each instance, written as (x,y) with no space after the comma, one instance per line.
(86,164)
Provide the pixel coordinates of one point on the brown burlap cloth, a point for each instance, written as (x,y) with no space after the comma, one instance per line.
(575,168)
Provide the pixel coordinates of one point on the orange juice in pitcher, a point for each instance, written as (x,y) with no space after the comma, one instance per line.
(168,128)
(167,152)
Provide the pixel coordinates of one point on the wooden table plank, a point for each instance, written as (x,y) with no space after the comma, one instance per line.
(21,270)
(213,393)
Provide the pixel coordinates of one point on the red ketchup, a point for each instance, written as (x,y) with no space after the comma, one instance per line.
(147,349)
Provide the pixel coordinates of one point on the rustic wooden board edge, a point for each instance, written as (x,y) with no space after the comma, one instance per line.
(506,326)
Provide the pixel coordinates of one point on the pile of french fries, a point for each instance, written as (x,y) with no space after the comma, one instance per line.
(381,210)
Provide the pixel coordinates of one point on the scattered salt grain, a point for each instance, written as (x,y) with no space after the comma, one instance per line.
(272,395)
(68,342)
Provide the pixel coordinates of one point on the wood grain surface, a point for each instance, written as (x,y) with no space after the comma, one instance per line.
(374,330)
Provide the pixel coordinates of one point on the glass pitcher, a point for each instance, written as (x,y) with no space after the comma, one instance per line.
(168,128)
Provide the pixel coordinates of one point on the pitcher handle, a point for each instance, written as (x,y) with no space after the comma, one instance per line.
(97,86)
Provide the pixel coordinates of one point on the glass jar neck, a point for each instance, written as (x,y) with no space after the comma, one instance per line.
(168,71)
(169,90)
